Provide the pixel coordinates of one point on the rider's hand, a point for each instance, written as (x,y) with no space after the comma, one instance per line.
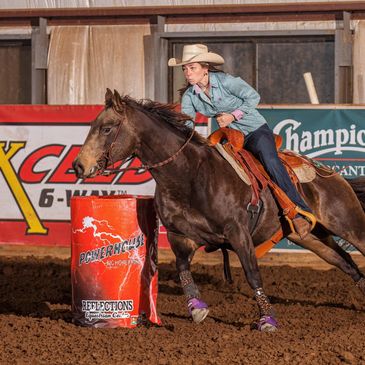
(224,119)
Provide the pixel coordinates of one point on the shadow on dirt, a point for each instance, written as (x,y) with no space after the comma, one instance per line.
(41,287)
(29,286)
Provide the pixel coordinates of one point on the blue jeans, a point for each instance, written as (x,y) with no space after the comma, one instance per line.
(262,144)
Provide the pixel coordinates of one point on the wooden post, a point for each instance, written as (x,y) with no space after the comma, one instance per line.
(343,61)
(311,88)
(156,62)
(39,62)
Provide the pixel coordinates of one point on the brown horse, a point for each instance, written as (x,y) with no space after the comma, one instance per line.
(201,200)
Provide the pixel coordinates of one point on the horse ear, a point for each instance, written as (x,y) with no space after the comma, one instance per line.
(117,98)
(108,98)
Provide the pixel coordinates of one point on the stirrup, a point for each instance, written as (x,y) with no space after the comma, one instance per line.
(309,216)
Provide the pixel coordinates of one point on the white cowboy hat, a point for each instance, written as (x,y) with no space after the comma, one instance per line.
(196,53)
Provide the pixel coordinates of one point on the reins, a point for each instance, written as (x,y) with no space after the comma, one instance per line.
(109,157)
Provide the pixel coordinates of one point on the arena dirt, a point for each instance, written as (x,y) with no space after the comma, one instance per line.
(321,315)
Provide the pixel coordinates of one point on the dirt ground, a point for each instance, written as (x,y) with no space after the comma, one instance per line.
(321,316)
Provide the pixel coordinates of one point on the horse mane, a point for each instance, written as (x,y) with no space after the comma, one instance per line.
(165,112)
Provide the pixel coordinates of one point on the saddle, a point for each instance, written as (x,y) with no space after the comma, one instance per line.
(249,169)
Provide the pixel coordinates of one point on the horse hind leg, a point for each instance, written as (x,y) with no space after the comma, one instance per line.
(345,218)
(358,187)
(351,228)
(226,266)
(226,262)
(323,244)
(184,249)
(360,283)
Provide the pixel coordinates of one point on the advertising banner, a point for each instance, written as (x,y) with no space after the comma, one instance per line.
(39,143)
(37,147)
(334,137)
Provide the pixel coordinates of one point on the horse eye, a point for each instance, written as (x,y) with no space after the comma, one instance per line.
(106,130)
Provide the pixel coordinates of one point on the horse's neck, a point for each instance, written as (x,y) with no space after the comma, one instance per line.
(159,142)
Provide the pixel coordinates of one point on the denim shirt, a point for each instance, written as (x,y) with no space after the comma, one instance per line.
(228,94)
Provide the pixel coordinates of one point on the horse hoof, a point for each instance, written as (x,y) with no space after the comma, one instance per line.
(361,285)
(198,315)
(198,309)
(266,324)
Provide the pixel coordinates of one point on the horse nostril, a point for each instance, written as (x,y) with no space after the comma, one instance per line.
(93,170)
(79,169)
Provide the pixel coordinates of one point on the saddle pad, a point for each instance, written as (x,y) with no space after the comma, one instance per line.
(239,170)
(305,173)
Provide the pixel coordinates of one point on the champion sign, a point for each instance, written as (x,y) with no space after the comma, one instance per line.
(334,137)
(323,141)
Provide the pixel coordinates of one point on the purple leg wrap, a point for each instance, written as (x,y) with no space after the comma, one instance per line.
(196,303)
(266,320)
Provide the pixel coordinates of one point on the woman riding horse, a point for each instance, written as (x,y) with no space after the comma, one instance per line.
(232,103)
(200,207)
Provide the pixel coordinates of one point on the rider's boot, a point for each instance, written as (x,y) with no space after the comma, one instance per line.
(302,226)
(303,223)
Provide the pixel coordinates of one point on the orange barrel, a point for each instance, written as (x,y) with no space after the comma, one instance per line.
(114,261)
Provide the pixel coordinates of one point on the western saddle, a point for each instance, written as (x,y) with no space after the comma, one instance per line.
(230,142)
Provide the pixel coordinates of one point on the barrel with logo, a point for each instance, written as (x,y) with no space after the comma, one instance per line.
(114,261)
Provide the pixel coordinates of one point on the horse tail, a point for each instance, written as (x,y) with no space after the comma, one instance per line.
(358,186)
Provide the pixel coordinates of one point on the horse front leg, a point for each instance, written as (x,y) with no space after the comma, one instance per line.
(184,249)
(242,244)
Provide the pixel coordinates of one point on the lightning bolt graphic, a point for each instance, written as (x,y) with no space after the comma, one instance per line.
(90,222)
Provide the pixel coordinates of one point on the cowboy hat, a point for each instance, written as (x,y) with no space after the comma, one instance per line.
(196,53)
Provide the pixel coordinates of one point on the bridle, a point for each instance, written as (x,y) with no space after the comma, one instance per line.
(107,155)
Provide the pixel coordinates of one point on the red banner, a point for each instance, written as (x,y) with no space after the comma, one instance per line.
(37,146)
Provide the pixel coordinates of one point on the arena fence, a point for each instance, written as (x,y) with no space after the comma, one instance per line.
(38,144)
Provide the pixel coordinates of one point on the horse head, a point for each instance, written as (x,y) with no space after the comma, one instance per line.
(111,138)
